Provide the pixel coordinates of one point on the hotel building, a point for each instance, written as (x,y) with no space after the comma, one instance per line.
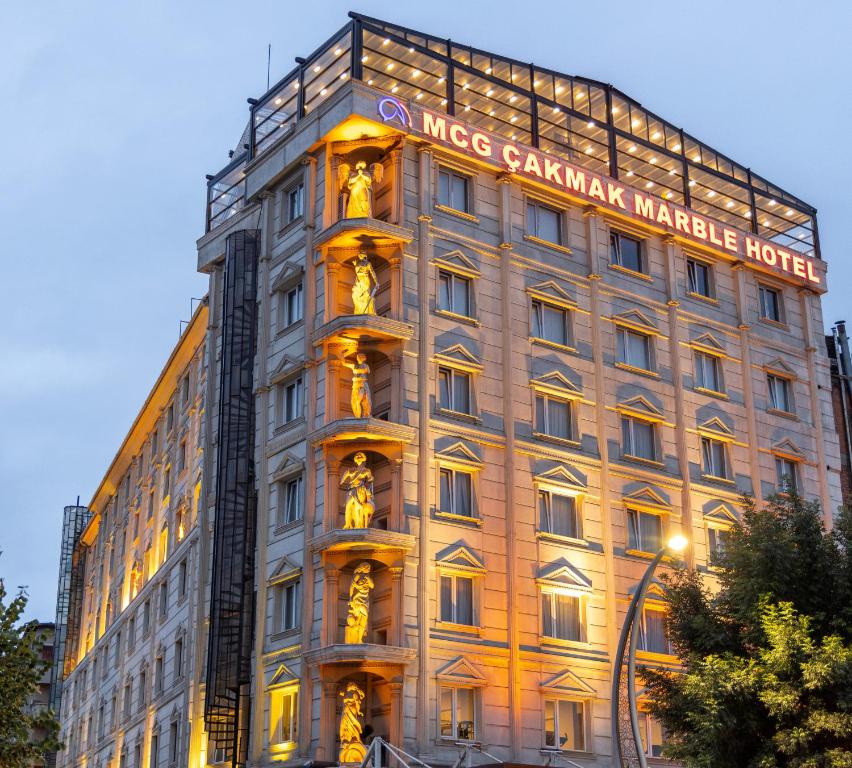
(583,331)
(134,628)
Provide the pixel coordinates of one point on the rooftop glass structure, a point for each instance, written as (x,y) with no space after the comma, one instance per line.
(584,121)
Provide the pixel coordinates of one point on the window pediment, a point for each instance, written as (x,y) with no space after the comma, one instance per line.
(458,356)
(462,672)
(283,677)
(459,454)
(779,367)
(561,476)
(647,497)
(284,570)
(288,466)
(556,383)
(460,557)
(633,318)
(715,427)
(563,576)
(287,277)
(567,682)
(721,514)
(640,406)
(708,341)
(787,447)
(551,292)
(456,261)
(286,367)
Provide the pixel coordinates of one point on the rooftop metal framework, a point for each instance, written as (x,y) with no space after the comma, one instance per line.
(587,122)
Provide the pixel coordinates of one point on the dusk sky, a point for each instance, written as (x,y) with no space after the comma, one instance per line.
(115,111)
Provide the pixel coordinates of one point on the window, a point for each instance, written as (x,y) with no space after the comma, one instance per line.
(291,306)
(786,474)
(164,599)
(170,418)
(137,756)
(559,515)
(154,444)
(770,303)
(708,372)
(128,698)
(700,277)
(453,190)
(544,222)
(550,323)
(178,672)
(290,501)
(181,457)
(564,725)
(454,390)
(173,742)
(652,632)
(638,438)
(553,417)
(131,634)
(779,393)
(182,578)
(653,735)
(146,617)
(717,541)
(167,481)
(294,202)
(626,252)
(634,349)
(456,492)
(292,397)
(457,599)
(158,674)
(453,293)
(644,531)
(284,713)
(180,523)
(143,688)
(561,616)
(286,604)
(458,715)
(184,389)
(714,458)
(155,750)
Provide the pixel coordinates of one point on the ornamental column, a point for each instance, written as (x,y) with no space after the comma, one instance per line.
(332,593)
(332,271)
(397,719)
(328,726)
(332,505)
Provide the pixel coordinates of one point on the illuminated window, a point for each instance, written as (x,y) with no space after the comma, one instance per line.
(714,458)
(561,616)
(779,393)
(458,713)
(626,252)
(559,515)
(708,372)
(454,293)
(634,348)
(653,636)
(644,531)
(544,222)
(565,725)
(638,438)
(653,735)
(770,304)
(290,306)
(454,390)
(290,501)
(786,474)
(700,277)
(553,416)
(717,541)
(286,605)
(550,323)
(456,492)
(453,190)
(284,716)
(457,596)
(293,203)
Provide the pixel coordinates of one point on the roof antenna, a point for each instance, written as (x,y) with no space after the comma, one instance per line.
(268,61)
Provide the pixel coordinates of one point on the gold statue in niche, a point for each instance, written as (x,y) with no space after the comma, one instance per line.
(362,404)
(365,286)
(358,184)
(360,506)
(359,605)
(352,749)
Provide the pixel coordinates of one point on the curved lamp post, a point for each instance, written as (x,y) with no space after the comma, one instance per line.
(675,544)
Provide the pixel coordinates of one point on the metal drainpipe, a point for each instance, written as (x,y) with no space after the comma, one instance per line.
(844,366)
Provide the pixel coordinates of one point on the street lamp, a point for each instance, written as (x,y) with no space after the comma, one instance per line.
(675,544)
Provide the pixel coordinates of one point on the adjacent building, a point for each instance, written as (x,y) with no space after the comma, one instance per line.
(837,345)
(481,338)
(135,624)
(40,700)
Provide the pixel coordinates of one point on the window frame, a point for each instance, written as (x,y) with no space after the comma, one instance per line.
(555,700)
(691,288)
(454,275)
(547,397)
(549,595)
(701,386)
(475,703)
(454,576)
(287,319)
(282,500)
(535,319)
(762,288)
(545,493)
(296,380)
(444,368)
(532,233)
(787,381)
(637,543)
(453,471)
(449,205)
(296,186)
(277,695)
(715,442)
(616,259)
(796,478)
(631,455)
(651,606)
(622,332)
(280,608)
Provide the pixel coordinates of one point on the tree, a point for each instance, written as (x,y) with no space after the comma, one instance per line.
(21,667)
(767,659)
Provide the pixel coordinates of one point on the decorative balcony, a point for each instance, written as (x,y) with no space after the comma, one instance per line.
(350,430)
(361,329)
(362,540)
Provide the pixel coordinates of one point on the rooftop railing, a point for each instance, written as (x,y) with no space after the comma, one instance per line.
(588,123)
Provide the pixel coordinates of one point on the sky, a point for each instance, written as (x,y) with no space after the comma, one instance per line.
(115,111)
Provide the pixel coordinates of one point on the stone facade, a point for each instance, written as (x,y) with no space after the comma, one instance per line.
(132,685)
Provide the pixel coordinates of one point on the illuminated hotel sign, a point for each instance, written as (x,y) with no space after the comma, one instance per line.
(595,188)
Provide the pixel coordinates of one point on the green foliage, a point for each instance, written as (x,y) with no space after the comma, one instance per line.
(767,679)
(21,668)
